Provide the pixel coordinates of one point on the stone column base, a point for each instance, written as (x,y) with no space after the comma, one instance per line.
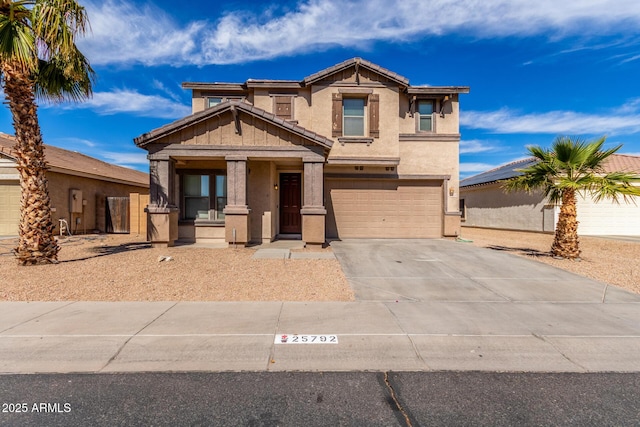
(452,224)
(237,228)
(162,228)
(313,225)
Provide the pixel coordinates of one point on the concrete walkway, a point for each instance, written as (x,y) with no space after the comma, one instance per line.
(422,305)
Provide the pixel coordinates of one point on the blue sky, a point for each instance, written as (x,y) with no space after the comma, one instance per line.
(537,69)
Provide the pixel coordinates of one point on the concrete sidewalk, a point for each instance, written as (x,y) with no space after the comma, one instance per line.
(421,305)
(238,336)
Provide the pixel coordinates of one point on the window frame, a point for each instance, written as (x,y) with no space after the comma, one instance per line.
(363,117)
(419,116)
(222,99)
(213,198)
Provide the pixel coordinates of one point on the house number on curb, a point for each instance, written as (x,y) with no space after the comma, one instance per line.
(305,339)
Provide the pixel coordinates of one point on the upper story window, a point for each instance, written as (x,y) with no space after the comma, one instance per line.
(212,101)
(425,116)
(353,116)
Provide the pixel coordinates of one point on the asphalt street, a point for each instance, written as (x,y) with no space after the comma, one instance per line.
(321,399)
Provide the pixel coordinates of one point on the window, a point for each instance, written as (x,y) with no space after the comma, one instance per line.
(213,101)
(425,116)
(197,190)
(353,116)
(463,210)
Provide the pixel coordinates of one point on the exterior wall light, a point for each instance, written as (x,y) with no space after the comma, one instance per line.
(275,187)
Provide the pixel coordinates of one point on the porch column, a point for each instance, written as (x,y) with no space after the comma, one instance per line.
(236,212)
(313,210)
(162,211)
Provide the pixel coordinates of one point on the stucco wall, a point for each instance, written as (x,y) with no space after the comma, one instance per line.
(384,146)
(488,206)
(93,191)
(259,200)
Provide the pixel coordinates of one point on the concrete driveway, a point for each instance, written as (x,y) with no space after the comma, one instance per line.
(444,270)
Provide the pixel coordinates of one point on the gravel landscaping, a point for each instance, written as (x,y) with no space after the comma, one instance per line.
(125,268)
(611,261)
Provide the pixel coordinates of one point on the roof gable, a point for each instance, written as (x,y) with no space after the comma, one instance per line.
(234,106)
(358,63)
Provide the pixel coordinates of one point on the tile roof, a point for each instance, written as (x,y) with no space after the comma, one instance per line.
(74,163)
(615,162)
(200,116)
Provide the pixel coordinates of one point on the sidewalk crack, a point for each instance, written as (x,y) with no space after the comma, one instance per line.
(37,317)
(541,338)
(124,344)
(273,343)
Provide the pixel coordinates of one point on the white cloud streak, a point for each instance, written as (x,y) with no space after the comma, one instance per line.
(475,146)
(625,121)
(132,102)
(125,32)
(475,167)
(124,159)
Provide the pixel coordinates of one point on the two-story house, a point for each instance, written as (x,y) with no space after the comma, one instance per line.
(352,151)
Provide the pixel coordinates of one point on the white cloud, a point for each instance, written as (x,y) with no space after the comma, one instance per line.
(132,102)
(475,146)
(126,32)
(129,32)
(124,159)
(475,167)
(553,122)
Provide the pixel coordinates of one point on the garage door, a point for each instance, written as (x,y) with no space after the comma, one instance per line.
(9,208)
(608,218)
(383,208)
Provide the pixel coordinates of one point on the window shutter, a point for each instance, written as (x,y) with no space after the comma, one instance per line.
(374,115)
(337,114)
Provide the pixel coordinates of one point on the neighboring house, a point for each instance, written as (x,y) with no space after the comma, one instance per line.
(352,151)
(70,174)
(485,204)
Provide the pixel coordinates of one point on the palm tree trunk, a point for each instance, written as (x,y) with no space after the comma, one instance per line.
(36,243)
(566,243)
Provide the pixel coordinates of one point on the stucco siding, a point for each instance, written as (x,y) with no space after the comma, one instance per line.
(488,206)
(9,207)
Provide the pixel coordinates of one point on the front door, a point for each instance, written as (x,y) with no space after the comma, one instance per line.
(290,201)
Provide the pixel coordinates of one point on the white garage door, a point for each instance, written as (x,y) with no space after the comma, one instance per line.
(608,218)
(9,208)
(383,208)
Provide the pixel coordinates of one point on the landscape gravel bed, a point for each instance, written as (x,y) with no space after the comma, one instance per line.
(608,260)
(125,268)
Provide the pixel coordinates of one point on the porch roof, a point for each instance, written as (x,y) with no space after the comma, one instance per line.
(231,105)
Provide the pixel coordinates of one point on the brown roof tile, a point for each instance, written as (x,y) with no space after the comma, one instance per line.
(75,163)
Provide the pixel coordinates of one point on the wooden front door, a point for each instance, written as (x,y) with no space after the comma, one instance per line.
(290,203)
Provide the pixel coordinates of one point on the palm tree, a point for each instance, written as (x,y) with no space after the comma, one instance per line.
(39,57)
(570,167)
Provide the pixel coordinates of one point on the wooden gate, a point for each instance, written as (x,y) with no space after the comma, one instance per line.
(117,214)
